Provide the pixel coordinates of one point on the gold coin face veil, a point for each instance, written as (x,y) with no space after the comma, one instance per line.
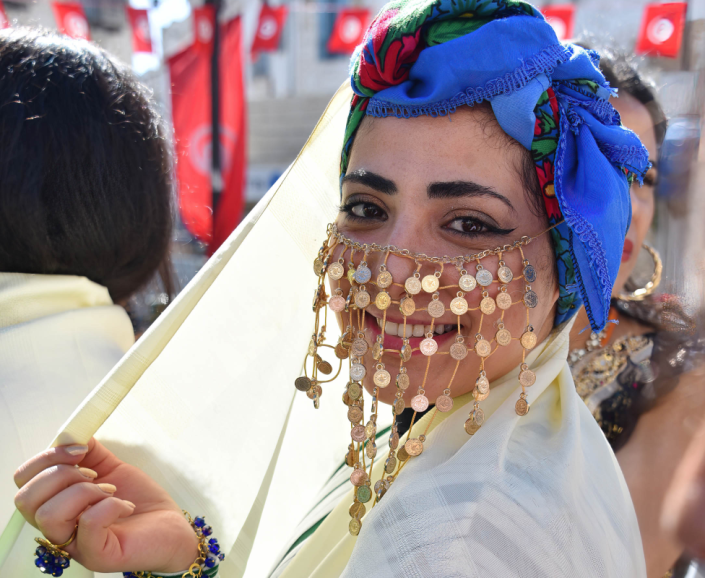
(347,285)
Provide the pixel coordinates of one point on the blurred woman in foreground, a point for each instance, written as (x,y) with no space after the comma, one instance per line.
(85,222)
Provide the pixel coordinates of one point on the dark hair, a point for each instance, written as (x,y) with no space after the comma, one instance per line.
(85,168)
(621,72)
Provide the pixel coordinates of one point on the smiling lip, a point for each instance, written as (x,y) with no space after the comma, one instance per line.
(627,250)
(394,342)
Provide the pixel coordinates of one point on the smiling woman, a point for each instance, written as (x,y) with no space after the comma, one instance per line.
(484,184)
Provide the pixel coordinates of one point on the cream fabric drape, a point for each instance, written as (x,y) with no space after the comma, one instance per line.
(59,336)
(201,402)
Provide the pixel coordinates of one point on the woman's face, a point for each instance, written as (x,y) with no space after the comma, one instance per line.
(636,117)
(443,186)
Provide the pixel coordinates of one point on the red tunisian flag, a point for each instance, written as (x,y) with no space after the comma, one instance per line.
(141,35)
(560,17)
(4,21)
(71,19)
(661,30)
(348,30)
(191,109)
(269,28)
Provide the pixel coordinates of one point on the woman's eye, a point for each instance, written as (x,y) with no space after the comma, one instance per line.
(364,211)
(467,226)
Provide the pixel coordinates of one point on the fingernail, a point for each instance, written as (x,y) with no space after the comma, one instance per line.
(130,504)
(76,450)
(87,473)
(107,488)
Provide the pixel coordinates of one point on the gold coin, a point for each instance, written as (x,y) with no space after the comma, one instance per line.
(406,352)
(483,348)
(394,441)
(479,416)
(354,414)
(484,277)
(359,347)
(413,447)
(504,274)
(317,266)
(531,300)
(370,430)
(390,464)
(459,306)
(358,477)
(312,346)
(351,457)
(337,303)
(527,378)
(471,427)
(316,391)
(363,274)
(346,399)
(382,378)
(504,300)
(503,337)
(529,274)
(436,309)
(412,285)
(402,456)
(341,352)
(371,450)
(521,407)
(419,403)
(444,403)
(482,384)
(362,299)
(325,368)
(381,488)
(354,526)
(428,346)
(383,300)
(357,371)
(357,510)
(399,406)
(430,283)
(302,383)
(403,381)
(335,271)
(528,340)
(354,391)
(364,494)
(357,433)
(384,279)
(467,282)
(407,306)
(458,351)
(351,276)
(377,350)
(487,305)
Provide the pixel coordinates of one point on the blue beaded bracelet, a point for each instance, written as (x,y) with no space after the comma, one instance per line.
(209,553)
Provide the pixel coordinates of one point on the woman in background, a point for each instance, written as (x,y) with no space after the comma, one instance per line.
(628,373)
(85,222)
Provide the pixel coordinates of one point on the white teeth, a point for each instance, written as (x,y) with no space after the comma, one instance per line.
(390,328)
(379,322)
(401,332)
(440,329)
(397,329)
(418,331)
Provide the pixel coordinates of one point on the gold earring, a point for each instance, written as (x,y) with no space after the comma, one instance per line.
(650,287)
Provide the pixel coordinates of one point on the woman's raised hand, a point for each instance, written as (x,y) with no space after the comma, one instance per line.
(126,521)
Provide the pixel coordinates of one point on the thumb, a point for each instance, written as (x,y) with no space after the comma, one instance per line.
(96,544)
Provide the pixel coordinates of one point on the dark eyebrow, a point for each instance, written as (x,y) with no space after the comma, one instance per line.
(457,189)
(372,180)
